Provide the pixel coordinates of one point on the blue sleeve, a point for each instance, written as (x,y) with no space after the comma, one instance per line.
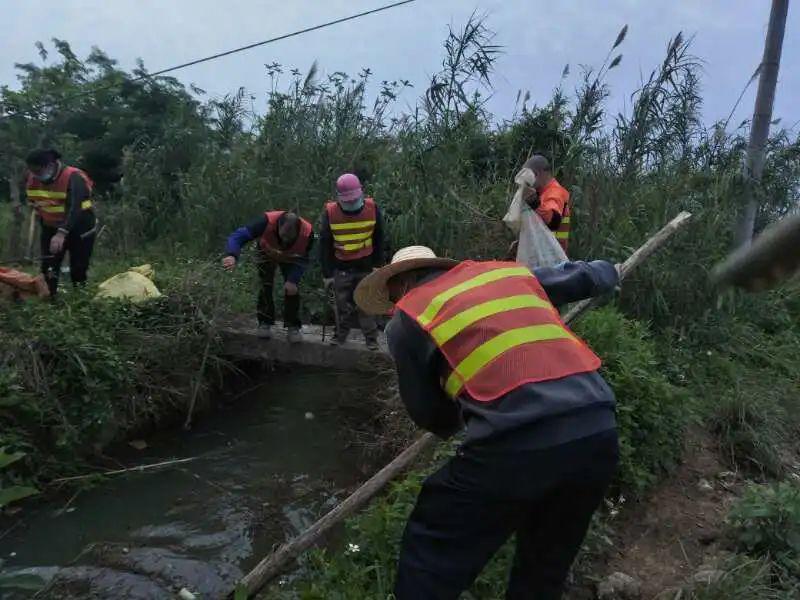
(243,235)
(237,240)
(417,360)
(573,281)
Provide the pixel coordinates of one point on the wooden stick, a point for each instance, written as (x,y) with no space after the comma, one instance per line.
(635,259)
(31,231)
(166,463)
(773,257)
(275,563)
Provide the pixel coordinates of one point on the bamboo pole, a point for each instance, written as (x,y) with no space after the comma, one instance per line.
(276,563)
(634,260)
(773,257)
(159,465)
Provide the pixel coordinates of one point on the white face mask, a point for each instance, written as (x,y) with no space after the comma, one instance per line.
(47,175)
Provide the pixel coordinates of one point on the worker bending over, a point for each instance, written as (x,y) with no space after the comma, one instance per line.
(481,345)
(284,240)
(351,246)
(62,198)
(549,199)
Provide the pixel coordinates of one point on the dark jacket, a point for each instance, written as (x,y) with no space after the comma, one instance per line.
(535,415)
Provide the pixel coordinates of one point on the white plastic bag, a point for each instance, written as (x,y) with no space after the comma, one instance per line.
(513,218)
(537,246)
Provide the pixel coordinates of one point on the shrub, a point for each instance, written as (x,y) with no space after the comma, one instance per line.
(765,522)
(78,374)
(651,413)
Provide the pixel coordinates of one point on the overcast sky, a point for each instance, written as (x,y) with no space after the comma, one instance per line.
(539,39)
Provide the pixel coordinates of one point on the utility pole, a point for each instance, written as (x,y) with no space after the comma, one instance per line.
(762,115)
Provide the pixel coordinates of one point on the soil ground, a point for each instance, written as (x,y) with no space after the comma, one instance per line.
(667,537)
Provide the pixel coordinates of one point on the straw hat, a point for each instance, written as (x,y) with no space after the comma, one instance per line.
(372,294)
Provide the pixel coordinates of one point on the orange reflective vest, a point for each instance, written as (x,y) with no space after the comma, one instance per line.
(50,199)
(562,233)
(497,329)
(555,197)
(352,233)
(270,245)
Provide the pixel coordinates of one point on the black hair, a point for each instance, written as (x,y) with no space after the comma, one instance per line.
(42,157)
(283,218)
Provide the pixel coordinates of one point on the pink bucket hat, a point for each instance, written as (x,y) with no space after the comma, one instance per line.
(348,188)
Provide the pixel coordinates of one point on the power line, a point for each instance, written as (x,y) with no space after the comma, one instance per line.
(275,39)
(241,49)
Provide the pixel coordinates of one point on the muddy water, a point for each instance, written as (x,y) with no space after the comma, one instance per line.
(268,466)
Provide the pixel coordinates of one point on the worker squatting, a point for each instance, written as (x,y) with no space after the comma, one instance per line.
(479,347)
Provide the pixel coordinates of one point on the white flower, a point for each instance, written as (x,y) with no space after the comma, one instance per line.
(353,548)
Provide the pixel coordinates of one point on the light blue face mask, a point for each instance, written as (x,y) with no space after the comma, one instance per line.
(354,206)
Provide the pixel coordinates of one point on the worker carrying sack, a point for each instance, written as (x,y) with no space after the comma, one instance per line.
(537,246)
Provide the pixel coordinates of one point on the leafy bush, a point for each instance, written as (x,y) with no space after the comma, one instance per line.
(651,413)
(765,522)
(80,373)
(10,490)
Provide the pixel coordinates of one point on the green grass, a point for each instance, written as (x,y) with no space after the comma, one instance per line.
(743,578)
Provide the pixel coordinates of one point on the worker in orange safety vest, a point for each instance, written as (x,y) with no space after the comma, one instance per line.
(481,346)
(284,242)
(62,198)
(351,246)
(549,199)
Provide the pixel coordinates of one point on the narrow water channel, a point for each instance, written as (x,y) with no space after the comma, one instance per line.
(268,466)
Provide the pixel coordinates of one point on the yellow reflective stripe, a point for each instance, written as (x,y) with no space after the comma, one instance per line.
(562,235)
(349,237)
(438,301)
(59,208)
(46,194)
(351,225)
(488,351)
(358,246)
(455,325)
(565,220)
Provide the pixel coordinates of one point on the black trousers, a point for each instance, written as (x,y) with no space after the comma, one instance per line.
(469,508)
(266,302)
(79,244)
